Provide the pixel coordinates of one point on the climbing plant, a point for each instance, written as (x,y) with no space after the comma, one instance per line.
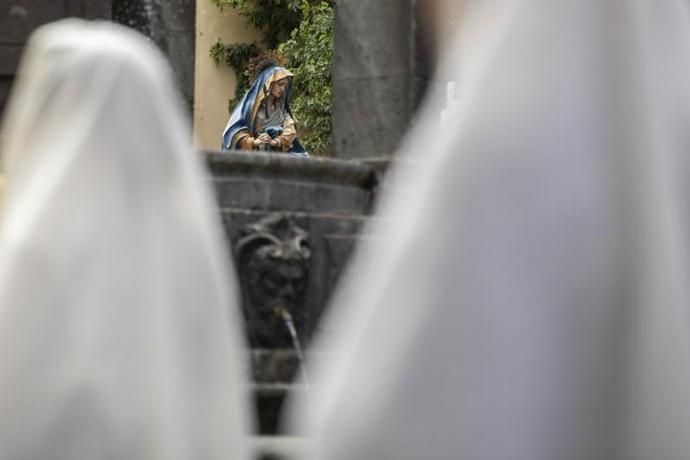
(302,32)
(276,19)
(310,51)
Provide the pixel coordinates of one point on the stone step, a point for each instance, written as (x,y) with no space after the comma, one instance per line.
(268,400)
(276,375)
(270,366)
(277,447)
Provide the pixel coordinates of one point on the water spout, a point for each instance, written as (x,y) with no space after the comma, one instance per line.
(285,315)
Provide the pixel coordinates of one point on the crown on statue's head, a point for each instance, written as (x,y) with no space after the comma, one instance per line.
(263,61)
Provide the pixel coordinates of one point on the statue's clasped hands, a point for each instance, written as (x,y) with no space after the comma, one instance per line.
(266,139)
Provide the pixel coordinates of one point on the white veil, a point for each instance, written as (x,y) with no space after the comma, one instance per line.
(119,335)
(526,294)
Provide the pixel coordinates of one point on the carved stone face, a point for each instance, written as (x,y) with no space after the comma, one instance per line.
(273,259)
(275,281)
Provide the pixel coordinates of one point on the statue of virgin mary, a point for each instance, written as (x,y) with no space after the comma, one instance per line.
(263,119)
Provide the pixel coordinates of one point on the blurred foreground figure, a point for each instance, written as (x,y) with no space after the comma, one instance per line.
(527,295)
(118,335)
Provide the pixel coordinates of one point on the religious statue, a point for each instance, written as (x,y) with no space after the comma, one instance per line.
(263,120)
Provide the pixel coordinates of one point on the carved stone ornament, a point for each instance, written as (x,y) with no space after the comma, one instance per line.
(273,257)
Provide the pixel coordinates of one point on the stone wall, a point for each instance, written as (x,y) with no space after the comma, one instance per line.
(18,18)
(215,85)
(170,24)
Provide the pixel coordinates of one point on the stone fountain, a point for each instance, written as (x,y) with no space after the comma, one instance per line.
(292,224)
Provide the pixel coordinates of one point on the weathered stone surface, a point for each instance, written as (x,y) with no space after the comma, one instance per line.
(178,15)
(370,115)
(328,199)
(180,51)
(324,201)
(273,258)
(332,239)
(94,9)
(269,183)
(371,77)
(379,76)
(372,39)
(177,18)
(271,366)
(171,25)
(18,18)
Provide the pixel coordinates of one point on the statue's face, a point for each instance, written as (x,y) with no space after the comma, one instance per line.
(279,87)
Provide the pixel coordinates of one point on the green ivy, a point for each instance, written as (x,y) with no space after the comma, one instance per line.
(302,30)
(235,56)
(275,18)
(310,53)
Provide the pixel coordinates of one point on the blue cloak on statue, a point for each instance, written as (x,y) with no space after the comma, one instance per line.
(243,121)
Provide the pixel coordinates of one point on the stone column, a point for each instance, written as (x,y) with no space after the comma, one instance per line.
(176,38)
(170,24)
(379,76)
